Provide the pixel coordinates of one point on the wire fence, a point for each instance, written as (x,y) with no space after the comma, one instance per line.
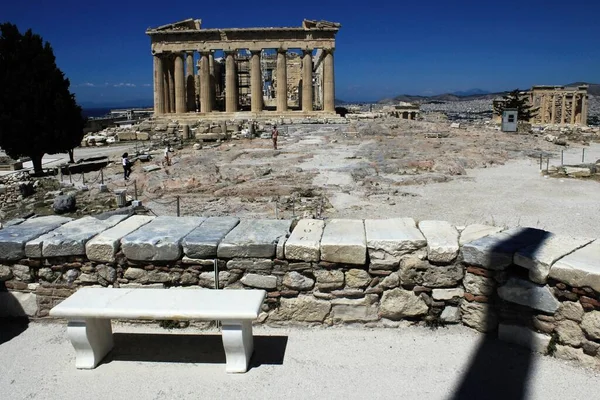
(569,157)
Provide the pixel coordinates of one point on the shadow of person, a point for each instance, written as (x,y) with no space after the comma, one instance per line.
(498,370)
(13,319)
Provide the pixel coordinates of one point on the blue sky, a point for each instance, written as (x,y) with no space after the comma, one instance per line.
(384,48)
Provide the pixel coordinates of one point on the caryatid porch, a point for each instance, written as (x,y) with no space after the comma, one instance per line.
(175,89)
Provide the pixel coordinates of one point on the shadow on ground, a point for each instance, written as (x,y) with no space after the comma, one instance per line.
(177,348)
(497,370)
(11,327)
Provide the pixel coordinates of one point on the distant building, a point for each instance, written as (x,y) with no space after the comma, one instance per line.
(403,110)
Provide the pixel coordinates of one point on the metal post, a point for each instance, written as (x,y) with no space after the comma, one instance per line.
(60,173)
(583,155)
(276,211)
(178,209)
(82,178)
(102,176)
(562,157)
(540,161)
(135,189)
(547,163)
(70,177)
(216,269)
(294,207)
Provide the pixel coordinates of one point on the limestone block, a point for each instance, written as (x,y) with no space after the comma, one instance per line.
(578,172)
(398,303)
(13,238)
(414,271)
(104,246)
(6,273)
(496,251)
(70,238)
(570,354)
(538,258)
(447,294)
(203,241)
(329,280)
(478,316)
(250,264)
(253,238)
(355,310)
(391,281)
(580,268)
(569,333)
(17,304)
(302,308)
(267,282)
(479,285)
(477,231)
(357,278)
(344,242)
(442,240)
(591,324)
(305,241)
(392,237)
(529,294)
(450,315)
(297,281)
(280,249)
(21,272)
(570,310)
(160,239)
(524,337)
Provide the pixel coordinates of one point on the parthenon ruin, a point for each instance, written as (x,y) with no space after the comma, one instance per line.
(262,71)
(559,104)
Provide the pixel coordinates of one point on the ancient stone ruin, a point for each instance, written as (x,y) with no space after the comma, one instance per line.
(286,70)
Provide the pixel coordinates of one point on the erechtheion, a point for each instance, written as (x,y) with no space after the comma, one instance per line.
(242,70)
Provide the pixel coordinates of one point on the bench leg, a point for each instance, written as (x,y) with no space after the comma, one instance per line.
(238,343)
(92,339)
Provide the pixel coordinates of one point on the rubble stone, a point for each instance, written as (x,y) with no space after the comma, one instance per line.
(399,303)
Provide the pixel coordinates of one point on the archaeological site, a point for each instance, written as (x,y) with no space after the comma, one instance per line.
(250,176)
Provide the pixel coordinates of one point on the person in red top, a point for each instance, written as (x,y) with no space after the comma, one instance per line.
(274,136)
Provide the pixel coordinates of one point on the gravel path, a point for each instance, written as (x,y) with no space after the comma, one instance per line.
(290,363)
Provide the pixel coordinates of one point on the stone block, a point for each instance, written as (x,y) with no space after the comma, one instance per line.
(496,251)
(250,264)
(5,273)
(538,258)
(203,241)
(305,241)
(160,239)
(524,337)
(399,303)
(17,304)
(357,278)
(450,315)
(580,268)
(104,246)
(591,324)
(442,240)
(447,294)
(569,333)
(570,354)
(529,294)
(13,238)
(21,272)
(254,238)
(70,238)
(477,231)
(479,285)
(570,310)
(297,281)
(479,316)
(267,282)
(302,308)
(355,310)
(329,279)
(392,238)
(344,242)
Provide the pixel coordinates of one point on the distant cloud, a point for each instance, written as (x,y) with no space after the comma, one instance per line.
(147,84)
(86,84)
(122,84)
(108,84)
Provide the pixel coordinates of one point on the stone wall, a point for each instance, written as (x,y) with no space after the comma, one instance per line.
(10,191)
(528,286)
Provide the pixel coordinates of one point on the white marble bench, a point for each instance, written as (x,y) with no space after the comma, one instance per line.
(90,310)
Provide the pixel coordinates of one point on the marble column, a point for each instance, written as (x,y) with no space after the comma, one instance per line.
(231,98)
(166,88)
(584,109)
(307,86)
(282,80)
(544,107)
(553,114)
(573,108)
(159,86)
(172,85)
(205,103)
(190,84)
(180,100)
(256,82)
(328,82)
(213,82)
(563,110)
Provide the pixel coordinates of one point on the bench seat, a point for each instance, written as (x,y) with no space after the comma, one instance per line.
(90,310)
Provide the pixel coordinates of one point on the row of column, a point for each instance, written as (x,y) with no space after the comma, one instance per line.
(174,89)
(563,111)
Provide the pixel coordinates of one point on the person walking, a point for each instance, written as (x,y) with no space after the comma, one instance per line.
(274,136)
(126,166)
(167,159)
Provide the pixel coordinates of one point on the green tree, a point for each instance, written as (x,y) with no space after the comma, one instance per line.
(38,113)
(517,101)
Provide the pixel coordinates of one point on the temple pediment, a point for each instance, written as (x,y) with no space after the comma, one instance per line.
(185,25)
